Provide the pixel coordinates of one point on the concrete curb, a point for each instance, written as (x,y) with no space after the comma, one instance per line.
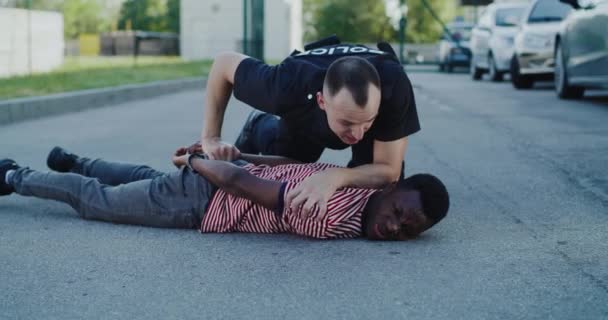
(21,109)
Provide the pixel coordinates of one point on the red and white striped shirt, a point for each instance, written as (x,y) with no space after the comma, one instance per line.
(228,213)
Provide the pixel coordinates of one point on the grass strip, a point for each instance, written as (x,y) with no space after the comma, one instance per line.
(91,75)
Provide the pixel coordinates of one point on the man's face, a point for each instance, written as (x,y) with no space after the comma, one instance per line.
(345,118)
(396,215)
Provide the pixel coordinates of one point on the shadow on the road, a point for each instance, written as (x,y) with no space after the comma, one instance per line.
(602,98)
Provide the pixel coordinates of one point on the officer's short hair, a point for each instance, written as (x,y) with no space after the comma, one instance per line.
(354,73)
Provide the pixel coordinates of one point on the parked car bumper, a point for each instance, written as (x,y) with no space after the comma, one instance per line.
(460,59)
(539,62)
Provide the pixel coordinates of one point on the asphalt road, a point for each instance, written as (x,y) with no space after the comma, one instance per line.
(526,236)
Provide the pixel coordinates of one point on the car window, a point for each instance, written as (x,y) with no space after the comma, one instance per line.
(506,17)
(549,10)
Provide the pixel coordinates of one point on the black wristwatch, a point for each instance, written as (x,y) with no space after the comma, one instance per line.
(196,155)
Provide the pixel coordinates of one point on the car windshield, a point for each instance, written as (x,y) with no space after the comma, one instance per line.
(549,10)
(460,33)
(508,17)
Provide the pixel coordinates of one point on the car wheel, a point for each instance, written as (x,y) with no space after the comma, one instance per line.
(519,80)
(476,73)
(449,68)
(441,67)
(495,75)
(563,89)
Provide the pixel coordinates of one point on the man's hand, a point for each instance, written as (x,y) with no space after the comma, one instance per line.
(180,157)
(219,150)
(314,190)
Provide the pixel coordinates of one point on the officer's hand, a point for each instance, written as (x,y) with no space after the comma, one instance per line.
(312,194)
(195,148)
(219,150)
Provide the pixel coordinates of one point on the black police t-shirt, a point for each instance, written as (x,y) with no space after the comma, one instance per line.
(289,91)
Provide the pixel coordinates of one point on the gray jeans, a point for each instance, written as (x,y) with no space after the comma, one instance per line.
(123,193)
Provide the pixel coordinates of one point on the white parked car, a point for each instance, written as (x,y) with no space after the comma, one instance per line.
(581,49)
(492,39)
(534,43)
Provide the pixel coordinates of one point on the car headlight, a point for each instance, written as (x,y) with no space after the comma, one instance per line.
(535,41)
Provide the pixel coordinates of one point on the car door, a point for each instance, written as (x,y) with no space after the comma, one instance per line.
(587,41)
(599,24)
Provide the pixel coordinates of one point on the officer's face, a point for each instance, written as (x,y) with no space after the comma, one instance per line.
(345,118)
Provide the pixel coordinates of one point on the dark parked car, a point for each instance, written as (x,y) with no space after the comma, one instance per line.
(454,48)
(581,49)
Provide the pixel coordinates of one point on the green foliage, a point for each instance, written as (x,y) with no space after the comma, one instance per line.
(147,15)
(81,16)
(352,21)
(50,5)
(421,26)
(367,21)
(173,16)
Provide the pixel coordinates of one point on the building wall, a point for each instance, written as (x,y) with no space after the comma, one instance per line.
(209,27)
(45,46)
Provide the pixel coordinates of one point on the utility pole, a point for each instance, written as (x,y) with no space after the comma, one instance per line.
(253,28)
(29,36)
(245,31)
(402,29)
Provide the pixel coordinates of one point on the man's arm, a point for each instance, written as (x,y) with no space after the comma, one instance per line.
(219,89)
(239,182)
(180,157)
(267,160)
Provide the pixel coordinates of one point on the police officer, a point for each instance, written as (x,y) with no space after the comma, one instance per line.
(332,95)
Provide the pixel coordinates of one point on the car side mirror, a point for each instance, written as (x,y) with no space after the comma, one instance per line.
(573,3)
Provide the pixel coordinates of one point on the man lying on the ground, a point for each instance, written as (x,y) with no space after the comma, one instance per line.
(220,196)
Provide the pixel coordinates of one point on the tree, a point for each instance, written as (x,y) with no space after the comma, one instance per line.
(421,26)
(81,16)
(148,15)
(351,21)
(367,21)
(173,16)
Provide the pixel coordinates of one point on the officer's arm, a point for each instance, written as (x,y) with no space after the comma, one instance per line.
(386,168)
(390,154)
(219,89)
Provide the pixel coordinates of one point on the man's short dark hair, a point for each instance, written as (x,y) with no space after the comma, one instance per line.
(354,73)
(433,193)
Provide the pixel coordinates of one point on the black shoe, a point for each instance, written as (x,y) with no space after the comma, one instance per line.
(244,142)
(61,160)
(6,165)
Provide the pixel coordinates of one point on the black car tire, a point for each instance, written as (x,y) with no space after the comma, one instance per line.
(476,73)
(441,67)
(519,80)
(563,89)
(495,75)
(449,68)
